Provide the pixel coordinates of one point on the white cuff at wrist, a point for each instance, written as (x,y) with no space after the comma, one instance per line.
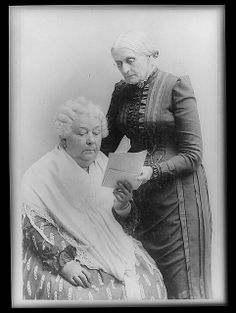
(124,211)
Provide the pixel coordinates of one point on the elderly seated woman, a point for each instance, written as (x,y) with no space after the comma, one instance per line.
(73,246)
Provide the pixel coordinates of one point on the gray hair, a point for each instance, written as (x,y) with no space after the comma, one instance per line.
(71,109)
(136,41)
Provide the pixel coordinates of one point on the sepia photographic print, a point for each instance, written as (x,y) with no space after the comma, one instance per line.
(116,155)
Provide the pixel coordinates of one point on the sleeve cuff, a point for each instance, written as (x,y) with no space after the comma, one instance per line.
(57,262)
(125,211)
(163,171)
(130,221)
(67,255)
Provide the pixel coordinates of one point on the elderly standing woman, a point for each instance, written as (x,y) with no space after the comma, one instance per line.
(157,111)
(73,247)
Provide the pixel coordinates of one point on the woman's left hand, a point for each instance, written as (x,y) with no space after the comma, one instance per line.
(146,174)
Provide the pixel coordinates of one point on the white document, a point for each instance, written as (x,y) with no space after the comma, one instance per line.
(123,166)
(124,145)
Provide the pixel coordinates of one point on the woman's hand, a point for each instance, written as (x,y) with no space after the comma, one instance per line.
(75,274)
(146,174)
(123,192)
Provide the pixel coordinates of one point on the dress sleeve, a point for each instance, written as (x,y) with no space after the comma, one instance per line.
(188,134)
(54,255)
(111,142)
(129,222)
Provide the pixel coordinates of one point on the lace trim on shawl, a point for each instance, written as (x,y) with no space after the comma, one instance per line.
(31,211)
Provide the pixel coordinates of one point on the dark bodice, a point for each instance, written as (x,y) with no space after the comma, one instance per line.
(161,116)
(131,121)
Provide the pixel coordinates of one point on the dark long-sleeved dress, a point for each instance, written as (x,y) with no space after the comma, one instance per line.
(175,223)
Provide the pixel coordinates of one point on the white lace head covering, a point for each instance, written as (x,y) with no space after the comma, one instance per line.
(136,41)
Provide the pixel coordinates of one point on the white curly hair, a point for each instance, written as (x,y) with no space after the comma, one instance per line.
(71,109)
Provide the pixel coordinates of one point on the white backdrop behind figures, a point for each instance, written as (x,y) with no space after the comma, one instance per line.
(61,52)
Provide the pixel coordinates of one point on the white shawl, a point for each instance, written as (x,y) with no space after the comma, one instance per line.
(56,188)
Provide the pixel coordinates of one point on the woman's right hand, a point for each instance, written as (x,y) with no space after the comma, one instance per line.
(75,274)
(123,193)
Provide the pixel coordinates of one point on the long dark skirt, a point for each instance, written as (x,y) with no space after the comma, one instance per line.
(176,230)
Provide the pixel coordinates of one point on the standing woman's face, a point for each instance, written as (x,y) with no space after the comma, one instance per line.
(133,66)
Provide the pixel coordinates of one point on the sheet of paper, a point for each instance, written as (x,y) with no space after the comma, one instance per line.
(124,145)
(122,166)
(113,176)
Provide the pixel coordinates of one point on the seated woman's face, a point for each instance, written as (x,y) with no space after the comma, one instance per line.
(84,141)
(133,66)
